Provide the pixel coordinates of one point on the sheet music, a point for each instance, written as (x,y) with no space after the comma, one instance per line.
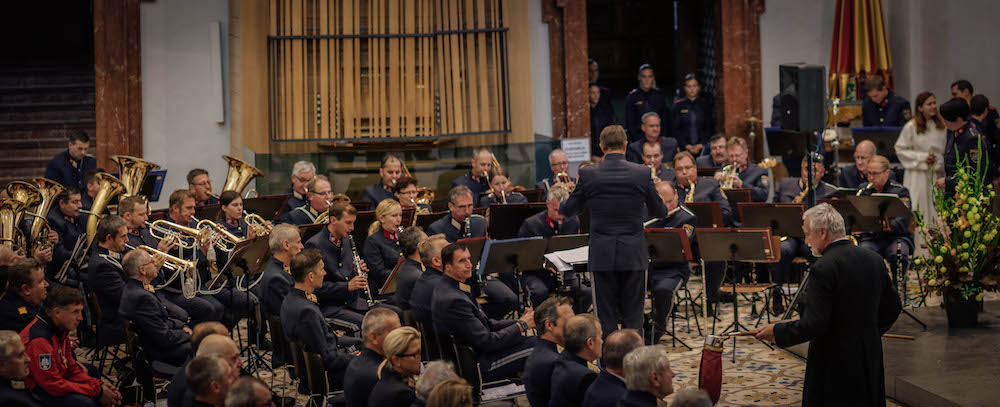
(558,263)
(567,258)
(499,392)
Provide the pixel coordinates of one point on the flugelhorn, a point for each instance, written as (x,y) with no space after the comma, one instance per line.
(132,172)
(163,229)
(109,188)
(257,223)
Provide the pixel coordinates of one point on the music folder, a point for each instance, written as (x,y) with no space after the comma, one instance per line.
(266,206)
(784,219)
(504,255)
(670,245)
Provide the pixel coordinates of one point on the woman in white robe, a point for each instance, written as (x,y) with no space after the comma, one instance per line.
(920,149)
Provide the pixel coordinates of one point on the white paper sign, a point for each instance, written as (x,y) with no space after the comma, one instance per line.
(577,149)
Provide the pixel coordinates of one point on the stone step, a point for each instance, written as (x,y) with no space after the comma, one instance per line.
(77,95)
(32,133)
(47,124)
(45,78)
(27,106)
(24,162)
(46,115)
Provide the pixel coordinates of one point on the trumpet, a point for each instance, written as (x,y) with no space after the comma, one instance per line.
(183,268)
(221,238)
(729,176)
(163,229)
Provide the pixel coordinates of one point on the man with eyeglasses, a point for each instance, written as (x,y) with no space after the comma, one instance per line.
(406,193)
(318,194)
(896,234)
(163,338)
(855,176)
(302,173)
(558,162)
(201,185)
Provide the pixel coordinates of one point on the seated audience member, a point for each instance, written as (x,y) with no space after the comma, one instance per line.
(691,398)
(208,338)
(13,370)
(411,269)
(609,387)
(451,393)
(303,321)
(56,377)
(389,172)
(571,377)
(163,338)
(501,191)
(381,248)
(398,372)
(434,373)
(210,377)
(550,318)
(362,372)
(26,290)
(883,107)
(647,376)
(501,344)
(249,392)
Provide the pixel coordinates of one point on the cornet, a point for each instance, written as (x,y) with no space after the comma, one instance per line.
(257,223)
(163,229)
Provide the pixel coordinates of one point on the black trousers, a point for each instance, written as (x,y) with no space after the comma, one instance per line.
(619,297)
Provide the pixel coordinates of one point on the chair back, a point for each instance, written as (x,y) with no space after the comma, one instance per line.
(431,348)
(466,362)
(280,346)
(315,373)
(295,349)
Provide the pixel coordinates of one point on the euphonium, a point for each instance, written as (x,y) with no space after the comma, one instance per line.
(49,191)
(132,172)
(11,235)
(110,187)
(240,174)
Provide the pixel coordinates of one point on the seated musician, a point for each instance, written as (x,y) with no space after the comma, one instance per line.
(201,186)
(411,269)
(362,372)
(66,221)
(302,173)
(748,175)
(550,319)
(502,345)
(302,320)
(25,292)
(105,276)
(318,194)
(718,155)
(477,179)
(897,236)
(135,213)
(856,176)
(423,288)
(653,158)
(559,163)
(549,223)
(665,278)
(791,190)
(163,338)
(231,217)
(453,225)
(501,191)
(381,249)
(651,133)
(570,376)
(276,279)
(389,170)
(406,193)
(92,187)
(68,167)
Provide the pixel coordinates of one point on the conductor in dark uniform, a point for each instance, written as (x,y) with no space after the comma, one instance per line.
(694,118)
(646,98)
(899,238)
(883,107)
(389,171)
(460,222)
(13,370)
(68,167)
(502,345)
(615,192)
(964,137)
(548,223)
(477,179)
(845,365)
(651,132)
(665,278)
(750,175)
(163,338)
(302,320)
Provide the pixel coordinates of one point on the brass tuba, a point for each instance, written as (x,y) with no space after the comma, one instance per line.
(27,195)
(110,187)
(132,172)
(11,235)
(425,195)
(49,191)
(240,174)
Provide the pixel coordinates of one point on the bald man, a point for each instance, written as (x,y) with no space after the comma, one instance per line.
(558,162)
(853,176)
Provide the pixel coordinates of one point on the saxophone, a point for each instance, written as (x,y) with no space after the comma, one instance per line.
(357,269)
(805,191)
(690,196)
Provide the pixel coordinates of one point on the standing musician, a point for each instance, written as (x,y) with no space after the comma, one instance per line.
(389,170)
(501,191)
(897,236)
(381,249)
(201,185)
(666,278)
(477,179)
(559,163)
(653,158)
(411,269)
(615,191)
(651,136)
(302,173)
(406,193)
(548,223)
(749,175)
(66,221)
(694,117)
(845,365)
(718,156)
(68,167)
(318,194)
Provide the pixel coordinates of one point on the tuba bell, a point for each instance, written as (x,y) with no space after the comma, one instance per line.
(110,187)
(24,192)
(133,172)
(11,236)
(425,195)
(240,174)
(49,191)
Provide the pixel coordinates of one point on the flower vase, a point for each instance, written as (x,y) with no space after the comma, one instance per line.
(962,312)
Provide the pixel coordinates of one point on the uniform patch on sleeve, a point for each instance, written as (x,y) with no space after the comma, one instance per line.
(763,180)
(907,114)
(974,156)
(689,229)
(45,361)
(22,311)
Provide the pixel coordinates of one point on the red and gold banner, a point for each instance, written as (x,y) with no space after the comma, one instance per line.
(859,48)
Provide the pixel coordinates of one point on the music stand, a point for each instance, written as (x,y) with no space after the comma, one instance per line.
(784,219)
(854,221)
(361,224)
(310,230)
(362,206)
(424,220)
(669,245)
(534,195)
(514,255)
(409,217)
(266,206)
(735,196)
(210,212)
(390,282)
(506,219)
(708,215)
(245,257)
(708,171)
(732,245)
(559,243)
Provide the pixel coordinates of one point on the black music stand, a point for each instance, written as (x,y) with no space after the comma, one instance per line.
(736,196)
(669,245)
(854,221)
(534,195)
(506,219)
(310,230)
(390,282)
(424,220)
(409,217)
(732,245)
(266,206)
(361,224)
(514,255)
(245,257)
(362,206)
(210,212)
(708,215)
(782,219)
(708,171)
(559,243)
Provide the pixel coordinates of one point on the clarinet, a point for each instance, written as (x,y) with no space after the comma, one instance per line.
(480,280)
(357,269)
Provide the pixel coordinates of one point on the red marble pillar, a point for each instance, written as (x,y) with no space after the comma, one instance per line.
(567,23)
(740,85)
(117,82)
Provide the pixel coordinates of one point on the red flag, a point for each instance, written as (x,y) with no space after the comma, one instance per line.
(710,372)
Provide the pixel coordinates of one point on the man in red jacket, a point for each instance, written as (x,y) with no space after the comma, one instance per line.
(55,376)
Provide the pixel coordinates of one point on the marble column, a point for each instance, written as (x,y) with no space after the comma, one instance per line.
(567,24)
(740,83)
(117,80)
